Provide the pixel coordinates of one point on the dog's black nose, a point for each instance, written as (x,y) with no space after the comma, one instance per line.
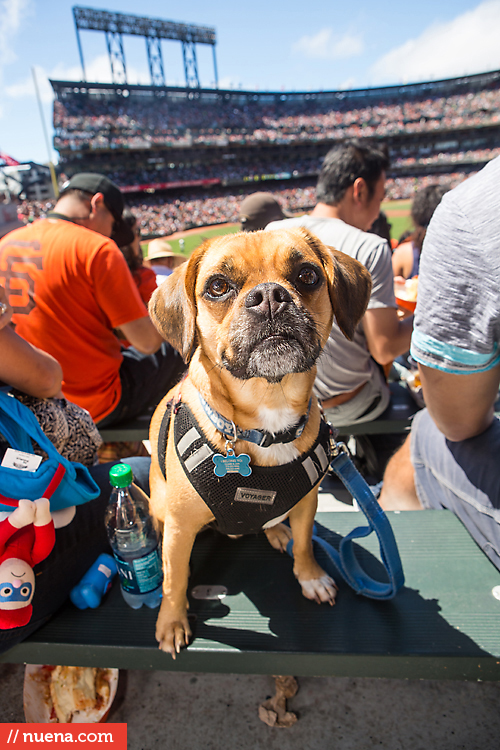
(268,299)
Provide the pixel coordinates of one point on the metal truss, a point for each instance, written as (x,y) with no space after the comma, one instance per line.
(190,64)
(115,25)
(114,43)
(155,60)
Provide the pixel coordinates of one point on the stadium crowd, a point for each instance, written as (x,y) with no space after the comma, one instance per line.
(132,172)
(446,157)
(108,123)
(167,212)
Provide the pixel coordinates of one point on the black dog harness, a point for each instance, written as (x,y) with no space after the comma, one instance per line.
(242,504)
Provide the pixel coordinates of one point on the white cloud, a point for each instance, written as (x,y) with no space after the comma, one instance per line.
(468,44)
(12,12)
(227,82)
(325,45)
(349,83)
(99,71)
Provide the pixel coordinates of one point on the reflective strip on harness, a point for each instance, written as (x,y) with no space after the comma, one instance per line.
(197,458)
(187,441)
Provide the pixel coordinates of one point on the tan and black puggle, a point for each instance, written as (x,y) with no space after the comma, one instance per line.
(240,442)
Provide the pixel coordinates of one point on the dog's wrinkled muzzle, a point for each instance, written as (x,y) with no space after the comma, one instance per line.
(272,336)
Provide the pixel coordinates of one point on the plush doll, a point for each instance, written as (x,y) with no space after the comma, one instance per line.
(27,537)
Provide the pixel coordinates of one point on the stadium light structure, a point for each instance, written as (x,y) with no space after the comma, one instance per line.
(116,25)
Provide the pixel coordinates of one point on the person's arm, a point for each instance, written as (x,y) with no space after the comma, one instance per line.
(27,368)
(462,406)
(117,295)
(402,260)
(387,335)
(142,334)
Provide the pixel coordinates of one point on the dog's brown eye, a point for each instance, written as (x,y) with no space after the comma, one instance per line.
(308,276)
(218,288)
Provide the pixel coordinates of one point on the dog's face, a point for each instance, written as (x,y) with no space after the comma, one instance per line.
(260,304)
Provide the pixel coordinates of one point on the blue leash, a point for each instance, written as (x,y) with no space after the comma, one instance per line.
(345,558)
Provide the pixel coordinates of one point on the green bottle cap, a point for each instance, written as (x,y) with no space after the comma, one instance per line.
(121,475)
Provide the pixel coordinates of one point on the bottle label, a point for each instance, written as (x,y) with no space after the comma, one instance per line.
(142,575)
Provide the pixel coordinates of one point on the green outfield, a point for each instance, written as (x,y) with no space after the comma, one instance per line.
(192,239)
(398,214)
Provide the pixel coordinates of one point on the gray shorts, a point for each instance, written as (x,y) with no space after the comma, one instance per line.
(368,404)
(463,477)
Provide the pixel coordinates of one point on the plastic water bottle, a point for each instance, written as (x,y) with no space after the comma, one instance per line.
(134,540)
(94,584)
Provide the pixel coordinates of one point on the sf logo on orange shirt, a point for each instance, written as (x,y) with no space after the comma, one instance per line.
(19,264)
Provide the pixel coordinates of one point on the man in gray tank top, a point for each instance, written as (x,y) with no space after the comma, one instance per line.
(350,382)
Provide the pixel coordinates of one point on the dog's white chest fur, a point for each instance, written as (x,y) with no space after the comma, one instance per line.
(277,420)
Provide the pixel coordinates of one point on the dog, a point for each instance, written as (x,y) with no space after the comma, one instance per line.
(250,313)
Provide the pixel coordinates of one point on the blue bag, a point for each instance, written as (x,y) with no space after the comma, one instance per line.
(64,482)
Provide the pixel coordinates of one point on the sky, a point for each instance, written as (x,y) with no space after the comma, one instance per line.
(266,45)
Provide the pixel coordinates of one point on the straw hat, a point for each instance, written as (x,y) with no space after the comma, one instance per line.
(160,248)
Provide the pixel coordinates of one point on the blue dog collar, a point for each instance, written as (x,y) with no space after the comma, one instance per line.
(261,438)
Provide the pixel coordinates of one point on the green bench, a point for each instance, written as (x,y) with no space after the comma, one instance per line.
(135,429)
(396,419)
(444,623)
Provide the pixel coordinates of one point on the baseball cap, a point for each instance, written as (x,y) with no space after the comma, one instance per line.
(258,210)
(92,183)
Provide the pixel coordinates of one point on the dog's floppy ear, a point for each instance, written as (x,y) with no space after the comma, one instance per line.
(172,307)
(350,285)
(350,291)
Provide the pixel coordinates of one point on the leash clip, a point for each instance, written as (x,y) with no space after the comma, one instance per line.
(336,447)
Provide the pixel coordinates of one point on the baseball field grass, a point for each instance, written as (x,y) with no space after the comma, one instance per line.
(398,215)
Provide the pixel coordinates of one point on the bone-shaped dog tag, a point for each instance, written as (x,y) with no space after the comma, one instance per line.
(232,464)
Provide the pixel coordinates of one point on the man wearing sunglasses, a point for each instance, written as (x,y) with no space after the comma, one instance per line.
(73,296)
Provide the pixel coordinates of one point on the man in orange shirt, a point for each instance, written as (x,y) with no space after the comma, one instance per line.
(70,288)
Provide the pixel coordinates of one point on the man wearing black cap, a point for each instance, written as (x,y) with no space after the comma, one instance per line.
(102,202)
(71,290)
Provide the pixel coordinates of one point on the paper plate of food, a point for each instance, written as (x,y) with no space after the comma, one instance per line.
(60,694)
(405,291)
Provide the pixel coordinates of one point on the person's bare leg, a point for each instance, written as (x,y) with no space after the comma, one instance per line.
(398,491)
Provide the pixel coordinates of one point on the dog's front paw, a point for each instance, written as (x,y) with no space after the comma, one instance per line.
(320,590)
(278,536)
(172,633)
